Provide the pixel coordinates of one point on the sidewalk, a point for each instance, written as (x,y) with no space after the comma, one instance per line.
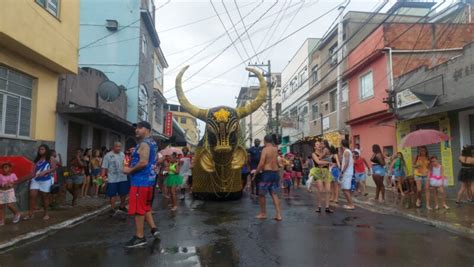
(61,217)
(458,219)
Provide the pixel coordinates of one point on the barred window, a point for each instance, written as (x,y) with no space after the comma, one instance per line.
(16,90)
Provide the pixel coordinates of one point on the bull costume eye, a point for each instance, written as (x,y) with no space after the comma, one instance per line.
(220,156)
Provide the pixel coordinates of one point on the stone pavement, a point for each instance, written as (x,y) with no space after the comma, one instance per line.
(458,219)
(61,217)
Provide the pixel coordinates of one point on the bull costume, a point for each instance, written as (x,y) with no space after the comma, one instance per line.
(220,155)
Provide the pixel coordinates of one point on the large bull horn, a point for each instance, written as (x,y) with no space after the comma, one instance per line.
(258,101)
(193,110)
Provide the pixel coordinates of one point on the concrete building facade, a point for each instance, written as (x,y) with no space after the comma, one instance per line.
(32,56)
(295,89)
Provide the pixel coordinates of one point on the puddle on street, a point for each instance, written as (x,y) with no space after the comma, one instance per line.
(222,252)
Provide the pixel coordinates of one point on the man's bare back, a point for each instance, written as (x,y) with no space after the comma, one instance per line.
(270,158)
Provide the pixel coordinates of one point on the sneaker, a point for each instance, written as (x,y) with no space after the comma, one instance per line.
(155,233)
(181,197)
(136,242)
(16,218)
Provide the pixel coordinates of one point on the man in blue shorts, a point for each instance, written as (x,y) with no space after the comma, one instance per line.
(269,178)
(117,182)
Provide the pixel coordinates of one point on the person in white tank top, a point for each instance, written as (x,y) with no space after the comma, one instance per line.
(346,174)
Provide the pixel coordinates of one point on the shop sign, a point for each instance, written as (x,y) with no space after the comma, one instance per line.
(406,98)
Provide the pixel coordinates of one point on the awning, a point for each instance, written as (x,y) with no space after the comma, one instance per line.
(98,116)
(159,135)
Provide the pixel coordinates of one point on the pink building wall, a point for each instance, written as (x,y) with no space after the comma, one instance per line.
(371,132)
(359,108)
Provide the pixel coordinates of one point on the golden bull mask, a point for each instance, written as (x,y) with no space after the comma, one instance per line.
(220,156)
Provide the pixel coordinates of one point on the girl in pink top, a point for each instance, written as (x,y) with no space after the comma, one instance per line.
(287,179)
(437,182)
(7,193)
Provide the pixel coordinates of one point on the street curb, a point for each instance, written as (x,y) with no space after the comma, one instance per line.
(55,227)
(461,230)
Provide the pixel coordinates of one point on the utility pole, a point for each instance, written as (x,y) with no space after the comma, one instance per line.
(268,75)
(340,33)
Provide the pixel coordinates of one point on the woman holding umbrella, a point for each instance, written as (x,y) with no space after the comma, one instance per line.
(422,138)
(422,170)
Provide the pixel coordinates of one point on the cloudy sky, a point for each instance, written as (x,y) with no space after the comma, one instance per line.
(192,34)
(215,75)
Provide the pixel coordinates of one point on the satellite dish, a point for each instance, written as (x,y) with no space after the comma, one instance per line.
(108,91)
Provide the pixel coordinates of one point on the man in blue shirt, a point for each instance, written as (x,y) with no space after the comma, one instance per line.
(254,158)
(142,179)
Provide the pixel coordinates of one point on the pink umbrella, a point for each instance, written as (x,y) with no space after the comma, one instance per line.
(423,138)
(170,150)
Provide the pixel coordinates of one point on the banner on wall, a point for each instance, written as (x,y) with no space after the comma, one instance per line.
(168,131)
(405,127)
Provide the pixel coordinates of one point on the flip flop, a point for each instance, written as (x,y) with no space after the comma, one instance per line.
(260,217)
(277,219)
(346,207)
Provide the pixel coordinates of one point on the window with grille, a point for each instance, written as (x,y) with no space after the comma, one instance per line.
(333,55)
(16,91)
(314,74)
(159,113)
(52,6)
(333,100)
(159,74)
(183,120)
(314,111)
(366,86)
(143,103)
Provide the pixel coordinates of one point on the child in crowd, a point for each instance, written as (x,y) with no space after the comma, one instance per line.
(7,193)
(360,170)
(96,163)
(287,179)
(398,170)
(437,182)
(174,180)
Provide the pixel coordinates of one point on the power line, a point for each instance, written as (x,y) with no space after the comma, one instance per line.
(205,48)
(197,21)
(245,26)
(179,66)
(287,26)
(267,48)
(227,47)
(226,31)
(276,27)
(276,18)
(163,5)
(108,35)
(235,29)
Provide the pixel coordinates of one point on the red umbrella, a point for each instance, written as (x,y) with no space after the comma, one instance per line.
(423,138)
(170,150)
(21,166)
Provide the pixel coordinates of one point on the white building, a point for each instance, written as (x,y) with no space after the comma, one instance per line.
(294,105)
(256,126)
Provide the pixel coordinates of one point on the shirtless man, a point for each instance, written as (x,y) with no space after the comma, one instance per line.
(269,180)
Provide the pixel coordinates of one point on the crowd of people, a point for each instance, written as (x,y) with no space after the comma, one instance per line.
(332,170)
(134,177)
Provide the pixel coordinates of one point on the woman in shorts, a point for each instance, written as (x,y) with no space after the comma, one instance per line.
(322,176)
(41,183)
(378,172)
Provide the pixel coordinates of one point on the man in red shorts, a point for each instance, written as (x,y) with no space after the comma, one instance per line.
(142,180)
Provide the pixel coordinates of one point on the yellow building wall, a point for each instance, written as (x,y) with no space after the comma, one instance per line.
(45,93)
(403,128)
(28,28)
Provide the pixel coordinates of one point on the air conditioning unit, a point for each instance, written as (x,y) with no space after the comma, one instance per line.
(111,25)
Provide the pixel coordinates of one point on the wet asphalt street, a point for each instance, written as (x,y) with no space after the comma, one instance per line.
(226,234)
